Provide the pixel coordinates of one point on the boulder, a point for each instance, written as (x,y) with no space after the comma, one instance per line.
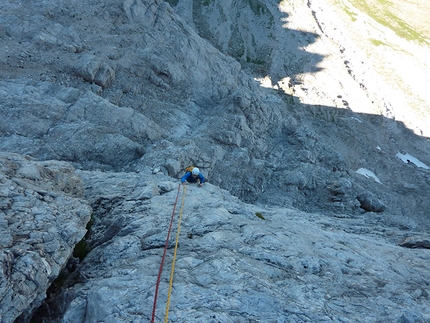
(369,203)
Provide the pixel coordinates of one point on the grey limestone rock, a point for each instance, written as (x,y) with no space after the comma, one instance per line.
(96,70)
(42,217)
(234,266)
(416,242)
(369,202)
(278,103)
(56,122)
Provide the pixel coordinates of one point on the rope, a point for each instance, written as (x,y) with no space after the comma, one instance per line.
(174,256)
(164,256)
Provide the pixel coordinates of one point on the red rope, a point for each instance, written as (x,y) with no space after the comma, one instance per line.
(164,256)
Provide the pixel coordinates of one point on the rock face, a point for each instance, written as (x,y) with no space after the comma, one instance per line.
(50,121)
(234,266)
(281,105)
(294,45)
(136,85)
(42,218)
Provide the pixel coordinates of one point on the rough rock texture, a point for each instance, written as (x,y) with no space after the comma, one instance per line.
(233,266)
(124,84)
(42,217)
(50,121)
(327,53)
(298,108)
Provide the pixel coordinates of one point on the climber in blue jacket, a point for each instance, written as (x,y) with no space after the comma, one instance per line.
(193,177)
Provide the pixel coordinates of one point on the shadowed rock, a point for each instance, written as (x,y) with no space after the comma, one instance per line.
(416,242)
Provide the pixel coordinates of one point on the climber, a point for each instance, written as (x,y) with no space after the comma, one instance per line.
(193,176)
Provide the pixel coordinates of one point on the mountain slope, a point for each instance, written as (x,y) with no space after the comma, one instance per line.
(280,104)
(233,266)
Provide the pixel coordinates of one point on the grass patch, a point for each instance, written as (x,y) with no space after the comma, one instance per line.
(379,10)
(259,215)
(350,13)
(377,42)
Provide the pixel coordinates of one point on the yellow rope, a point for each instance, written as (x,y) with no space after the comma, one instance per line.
(166,318)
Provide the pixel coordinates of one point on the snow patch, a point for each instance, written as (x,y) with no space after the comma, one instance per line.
(368,174)
(265,82)
(406,158)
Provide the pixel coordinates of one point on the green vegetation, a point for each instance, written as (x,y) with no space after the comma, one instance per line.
(90,223)
(377,42)
(380,11)
(60,280)
(259,215)
(350,13)
(82,249)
